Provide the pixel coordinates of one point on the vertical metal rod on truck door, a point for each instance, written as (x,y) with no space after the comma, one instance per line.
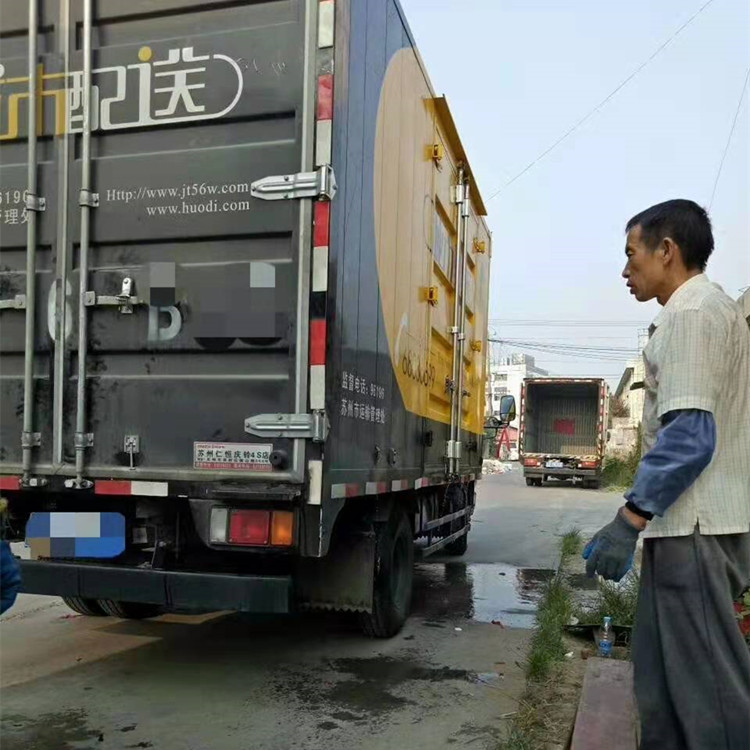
(455,329)
(82,440)
(464,210)
(33,204)
(302,342)
(61,307)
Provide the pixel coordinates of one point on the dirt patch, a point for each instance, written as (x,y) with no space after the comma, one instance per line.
(63,730)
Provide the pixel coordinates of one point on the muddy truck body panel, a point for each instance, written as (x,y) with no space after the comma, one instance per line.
(563,429)
(255,289)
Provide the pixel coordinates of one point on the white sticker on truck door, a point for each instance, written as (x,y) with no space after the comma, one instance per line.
(232,456)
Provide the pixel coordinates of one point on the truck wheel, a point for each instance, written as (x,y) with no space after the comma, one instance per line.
(129,610)
(88,607)
(394,574)
(458,547)
(458,501)
(591,484)
(530,482)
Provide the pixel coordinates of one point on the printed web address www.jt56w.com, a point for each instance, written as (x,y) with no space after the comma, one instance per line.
(183,193)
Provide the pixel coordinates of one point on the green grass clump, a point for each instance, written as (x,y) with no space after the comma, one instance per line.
(571,543)
(615,600)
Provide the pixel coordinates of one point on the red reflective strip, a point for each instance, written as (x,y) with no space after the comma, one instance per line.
(322,224)
(111,487)
(353,490)
(10,483)
(317,342)
(325,97)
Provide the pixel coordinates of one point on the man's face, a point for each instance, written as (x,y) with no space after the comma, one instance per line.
(645,270)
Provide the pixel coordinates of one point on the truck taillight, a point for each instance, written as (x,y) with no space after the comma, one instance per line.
(282,528)
(252,528)
(531,462)
(249,527)
(588,465)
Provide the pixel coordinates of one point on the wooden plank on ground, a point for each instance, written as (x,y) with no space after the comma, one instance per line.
(606,712)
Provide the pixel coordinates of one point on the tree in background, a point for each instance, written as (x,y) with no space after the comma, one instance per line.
(618,408)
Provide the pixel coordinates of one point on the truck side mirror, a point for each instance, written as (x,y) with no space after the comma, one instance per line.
(507,410)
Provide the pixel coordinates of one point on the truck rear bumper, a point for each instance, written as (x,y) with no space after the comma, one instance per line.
(170,589)
(542,472)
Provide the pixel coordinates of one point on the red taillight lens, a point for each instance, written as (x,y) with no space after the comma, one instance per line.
(249,527)
(588,465)
(530,462)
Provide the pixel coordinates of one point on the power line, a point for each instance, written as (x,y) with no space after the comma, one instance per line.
(571,338)
(551,346)
(557,323)
(602,102)
(729,139)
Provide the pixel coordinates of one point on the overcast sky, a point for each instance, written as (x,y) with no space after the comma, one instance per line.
(519,73)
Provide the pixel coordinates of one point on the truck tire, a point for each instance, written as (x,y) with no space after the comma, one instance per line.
(458,501)
(88,607)
(394,574)
(530,482)
(129,610)
(459,547)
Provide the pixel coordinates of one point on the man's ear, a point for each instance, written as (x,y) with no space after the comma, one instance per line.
(669,250)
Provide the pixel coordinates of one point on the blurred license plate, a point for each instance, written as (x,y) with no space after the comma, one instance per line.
(76,534)
(554,464)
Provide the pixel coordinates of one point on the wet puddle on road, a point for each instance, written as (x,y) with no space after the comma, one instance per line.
(493,592)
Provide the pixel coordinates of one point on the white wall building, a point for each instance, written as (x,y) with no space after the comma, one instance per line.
(506,377)
(630,388)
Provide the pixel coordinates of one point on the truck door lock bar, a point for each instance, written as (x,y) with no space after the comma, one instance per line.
(313,426)
(320,184)
(124,300)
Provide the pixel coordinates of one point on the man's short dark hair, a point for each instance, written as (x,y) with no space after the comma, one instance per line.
(685,222)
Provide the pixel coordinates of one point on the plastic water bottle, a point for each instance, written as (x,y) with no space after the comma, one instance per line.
(606,638)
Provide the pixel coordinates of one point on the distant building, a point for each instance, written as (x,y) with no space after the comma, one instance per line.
(623,431)
(630,388)
(506,377)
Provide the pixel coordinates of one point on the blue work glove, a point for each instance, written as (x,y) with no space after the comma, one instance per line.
(610,553)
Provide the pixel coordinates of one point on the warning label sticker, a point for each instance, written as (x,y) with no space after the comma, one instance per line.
(232,456)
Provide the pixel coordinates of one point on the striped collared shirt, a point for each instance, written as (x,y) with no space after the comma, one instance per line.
(698,357)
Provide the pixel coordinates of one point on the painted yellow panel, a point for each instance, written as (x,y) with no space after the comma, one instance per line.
(416,249)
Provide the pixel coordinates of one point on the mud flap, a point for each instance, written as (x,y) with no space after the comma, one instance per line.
(342,580)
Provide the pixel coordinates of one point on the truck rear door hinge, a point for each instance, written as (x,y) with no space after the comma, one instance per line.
(313,426)
(14,303)
(33,202)
(319,184)
(453,449)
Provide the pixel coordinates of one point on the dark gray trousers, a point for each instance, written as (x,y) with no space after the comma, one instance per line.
(691,662)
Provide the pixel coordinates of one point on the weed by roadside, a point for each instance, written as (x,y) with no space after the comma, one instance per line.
(571,543)
(619,472)
(547,651)
(615,600)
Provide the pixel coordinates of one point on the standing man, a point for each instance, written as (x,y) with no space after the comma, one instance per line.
(691,495)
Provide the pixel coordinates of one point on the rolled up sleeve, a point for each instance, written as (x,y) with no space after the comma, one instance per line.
(684,448)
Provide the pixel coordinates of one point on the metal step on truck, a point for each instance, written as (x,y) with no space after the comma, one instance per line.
(244,279)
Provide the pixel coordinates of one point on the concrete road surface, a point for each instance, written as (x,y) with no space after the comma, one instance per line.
(230,682)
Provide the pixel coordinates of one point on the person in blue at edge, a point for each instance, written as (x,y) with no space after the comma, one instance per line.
(691,494)
(10,577)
